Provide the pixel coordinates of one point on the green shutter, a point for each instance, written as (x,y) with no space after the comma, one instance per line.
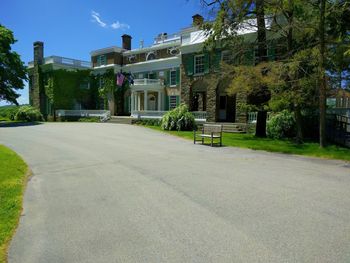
(215,60)
(206,63)
(177,101)
(166,102)
(178,76)
(167,78)
(271,52)
(189,64)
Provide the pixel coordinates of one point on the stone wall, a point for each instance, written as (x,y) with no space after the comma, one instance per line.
(241,115)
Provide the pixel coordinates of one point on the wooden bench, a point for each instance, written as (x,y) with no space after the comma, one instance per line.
(212,131)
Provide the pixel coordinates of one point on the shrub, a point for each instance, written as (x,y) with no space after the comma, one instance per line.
(282,125)
(149,122)
(8,112)
(89,119)
(28,113)
(178,119)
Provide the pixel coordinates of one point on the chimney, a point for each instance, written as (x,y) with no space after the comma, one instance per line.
(197,20)
(38,52)
(126,39)
(141,43)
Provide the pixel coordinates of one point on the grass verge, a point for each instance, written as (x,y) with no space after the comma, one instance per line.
(271,145)
(13,177)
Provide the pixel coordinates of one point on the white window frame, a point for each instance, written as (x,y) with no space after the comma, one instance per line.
(195,64)
(172,84)
(172,103)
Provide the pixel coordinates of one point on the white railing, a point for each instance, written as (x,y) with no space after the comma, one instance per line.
(200,115)
(65,61)
(148,114)
(167,38)
(104,115)
(147,81)
(252,116)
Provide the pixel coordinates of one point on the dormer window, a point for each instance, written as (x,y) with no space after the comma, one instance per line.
(151,56)
(131,59)
(173,51)
(101,60)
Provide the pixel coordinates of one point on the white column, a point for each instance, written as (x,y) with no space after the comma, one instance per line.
(132,107)
(159,100)
(145,100)
(138,101)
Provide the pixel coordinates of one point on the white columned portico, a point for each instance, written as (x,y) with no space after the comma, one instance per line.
(145,99)
(159,100)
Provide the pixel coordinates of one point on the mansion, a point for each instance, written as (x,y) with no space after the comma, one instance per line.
(174,69)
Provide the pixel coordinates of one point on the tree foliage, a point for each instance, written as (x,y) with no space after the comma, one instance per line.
(12,70)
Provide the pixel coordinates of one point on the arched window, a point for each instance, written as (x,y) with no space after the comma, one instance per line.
(151,56)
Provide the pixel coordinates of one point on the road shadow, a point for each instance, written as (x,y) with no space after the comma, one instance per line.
(18,124)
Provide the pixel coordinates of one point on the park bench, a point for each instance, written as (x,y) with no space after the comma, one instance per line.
(212,131)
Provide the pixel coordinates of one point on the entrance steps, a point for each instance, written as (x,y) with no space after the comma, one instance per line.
(232,127)
(121,119)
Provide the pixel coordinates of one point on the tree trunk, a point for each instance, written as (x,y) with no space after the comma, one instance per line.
(299,124)
(260,17)
(262,53)
(322,75)
(260,130)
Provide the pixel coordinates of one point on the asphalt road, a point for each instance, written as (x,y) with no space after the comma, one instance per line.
(119,193)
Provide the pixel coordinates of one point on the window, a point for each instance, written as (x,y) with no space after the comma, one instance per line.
(199,64)
(101,60)
(172,102)
(173,78)
(151,56)
(152,75)
(101,82)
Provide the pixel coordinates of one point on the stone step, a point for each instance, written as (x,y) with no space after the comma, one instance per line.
(120,120)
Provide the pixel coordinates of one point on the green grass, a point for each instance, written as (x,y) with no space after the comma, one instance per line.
(13,175)
(266,144)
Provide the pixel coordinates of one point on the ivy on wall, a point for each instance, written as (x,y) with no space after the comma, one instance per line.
(64,88)
(115,95)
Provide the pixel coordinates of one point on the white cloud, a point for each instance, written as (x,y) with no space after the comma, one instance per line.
(97,19)
(118,25)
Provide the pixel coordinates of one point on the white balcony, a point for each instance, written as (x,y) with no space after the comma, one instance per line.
(67,62)
(148,84)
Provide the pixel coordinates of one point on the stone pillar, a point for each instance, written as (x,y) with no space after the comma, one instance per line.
(211,102)
(145,98)
(159,100)
(185,87)
(200,101)
(241,116)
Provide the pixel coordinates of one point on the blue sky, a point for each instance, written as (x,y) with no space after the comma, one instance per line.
(73,28)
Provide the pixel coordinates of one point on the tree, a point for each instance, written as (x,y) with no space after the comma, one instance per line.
(231,16)
(12,70)
(108,89)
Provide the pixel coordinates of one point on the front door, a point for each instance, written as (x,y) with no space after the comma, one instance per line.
(151,102)
(222,108)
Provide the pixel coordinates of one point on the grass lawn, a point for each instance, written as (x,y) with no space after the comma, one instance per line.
(13,176)
(266,144)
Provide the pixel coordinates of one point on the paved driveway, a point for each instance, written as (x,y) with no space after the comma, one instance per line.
(118,193)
